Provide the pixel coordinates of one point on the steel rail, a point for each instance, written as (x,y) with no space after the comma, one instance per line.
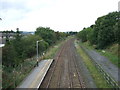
(79,76)
(69,71)
(55,67)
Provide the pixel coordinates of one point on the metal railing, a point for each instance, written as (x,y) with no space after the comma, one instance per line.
(106,76)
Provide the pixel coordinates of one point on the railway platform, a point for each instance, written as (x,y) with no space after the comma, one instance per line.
(36,76)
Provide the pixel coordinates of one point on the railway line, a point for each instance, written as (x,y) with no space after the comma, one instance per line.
(64,71)
(79,82)
(56,71)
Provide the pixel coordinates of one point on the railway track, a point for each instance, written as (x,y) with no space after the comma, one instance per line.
(76,80)
(76,67)
(54,68)
(65,73)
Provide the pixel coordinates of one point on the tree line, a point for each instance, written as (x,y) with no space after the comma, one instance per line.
(21,47)
(104,32)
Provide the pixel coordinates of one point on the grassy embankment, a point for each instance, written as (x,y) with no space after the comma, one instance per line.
(12,77)
(53,49)
(97,76)
(111,52)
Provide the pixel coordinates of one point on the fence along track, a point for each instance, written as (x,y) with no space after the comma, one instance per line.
(107,77)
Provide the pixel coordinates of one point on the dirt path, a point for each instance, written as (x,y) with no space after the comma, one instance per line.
(67,70)
(105,63)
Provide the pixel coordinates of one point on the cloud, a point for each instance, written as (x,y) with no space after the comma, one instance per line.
(62,15)
(119,6)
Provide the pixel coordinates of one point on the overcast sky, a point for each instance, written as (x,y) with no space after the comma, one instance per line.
(59,15)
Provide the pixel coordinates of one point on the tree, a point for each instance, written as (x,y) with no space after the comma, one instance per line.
(104,32)
(17,44)
(90,34)
(83,35)
(47,34)
(8,55)
(29,48)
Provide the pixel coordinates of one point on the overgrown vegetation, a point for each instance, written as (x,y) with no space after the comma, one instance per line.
(103,34)
(111,52)
(98,78)
(17,50)
(52,50)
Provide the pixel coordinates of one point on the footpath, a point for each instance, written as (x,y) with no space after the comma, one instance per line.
(35,78)
(104,64)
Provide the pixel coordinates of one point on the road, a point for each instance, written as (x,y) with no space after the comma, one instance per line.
(65,71)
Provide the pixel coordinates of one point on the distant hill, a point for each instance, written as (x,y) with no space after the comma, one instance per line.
(26,33)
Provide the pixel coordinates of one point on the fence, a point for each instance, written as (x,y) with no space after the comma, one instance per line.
(107,77)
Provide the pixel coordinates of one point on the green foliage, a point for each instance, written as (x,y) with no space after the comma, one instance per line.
(29,45)
(47,34)
(60,35)
(72,33)
(17,44)
(104,32)
(83,35)
(7,31)
(97,76)
(86,34)
(21,47)
(9,55)
(90,36)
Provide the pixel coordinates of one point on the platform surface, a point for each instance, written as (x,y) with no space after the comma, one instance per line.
(34,79)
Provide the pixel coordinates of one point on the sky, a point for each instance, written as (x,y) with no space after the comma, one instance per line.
(59,15)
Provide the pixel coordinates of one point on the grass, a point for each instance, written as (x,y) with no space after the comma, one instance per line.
(53,49)
(111,52)
(97,76)
(12,79)
(113,58)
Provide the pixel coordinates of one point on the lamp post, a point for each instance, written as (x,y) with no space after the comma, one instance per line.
(37,49)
